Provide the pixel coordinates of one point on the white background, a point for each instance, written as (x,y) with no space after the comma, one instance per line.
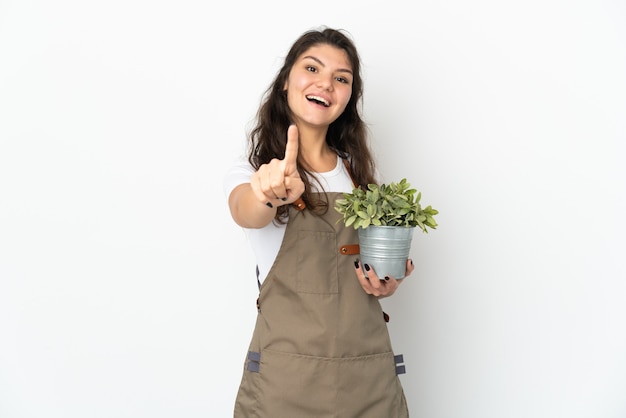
(127,291)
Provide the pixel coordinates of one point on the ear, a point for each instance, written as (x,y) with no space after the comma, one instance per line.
(286,86)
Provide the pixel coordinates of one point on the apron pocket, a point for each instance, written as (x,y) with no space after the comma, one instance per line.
(316,269)
(294,385)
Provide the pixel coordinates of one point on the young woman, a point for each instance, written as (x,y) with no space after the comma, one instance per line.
(320,347)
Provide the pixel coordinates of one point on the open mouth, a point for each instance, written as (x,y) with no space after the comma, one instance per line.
(318,100)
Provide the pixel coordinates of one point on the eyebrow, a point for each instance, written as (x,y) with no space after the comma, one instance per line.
(343,70)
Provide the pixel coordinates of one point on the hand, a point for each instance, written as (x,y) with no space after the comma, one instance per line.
(379,287)
(278,182)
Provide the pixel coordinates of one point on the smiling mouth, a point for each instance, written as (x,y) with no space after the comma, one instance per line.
(318,100)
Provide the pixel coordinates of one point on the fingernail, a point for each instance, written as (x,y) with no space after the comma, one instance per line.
(356,263)
(269,205)
(367,267)
(411,261)
(386,277)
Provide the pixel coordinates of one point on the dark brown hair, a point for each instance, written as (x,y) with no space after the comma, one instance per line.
(347,135)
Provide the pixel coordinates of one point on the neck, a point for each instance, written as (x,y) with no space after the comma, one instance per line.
(315,152)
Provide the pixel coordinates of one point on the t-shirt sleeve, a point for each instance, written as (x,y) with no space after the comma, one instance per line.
(239,173)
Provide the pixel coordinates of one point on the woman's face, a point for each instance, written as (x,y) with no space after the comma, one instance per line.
(319,85)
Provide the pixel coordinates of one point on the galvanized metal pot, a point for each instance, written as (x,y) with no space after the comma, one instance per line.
(386,249)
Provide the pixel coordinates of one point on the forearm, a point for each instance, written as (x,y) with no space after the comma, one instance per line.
(246,209)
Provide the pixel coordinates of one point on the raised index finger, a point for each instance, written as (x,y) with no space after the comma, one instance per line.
(291,150)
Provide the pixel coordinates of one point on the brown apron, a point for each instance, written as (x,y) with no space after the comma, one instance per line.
(320,346)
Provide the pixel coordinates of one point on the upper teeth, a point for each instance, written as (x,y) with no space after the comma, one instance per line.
(319,99)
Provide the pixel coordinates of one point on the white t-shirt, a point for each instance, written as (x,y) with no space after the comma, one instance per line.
(265,242)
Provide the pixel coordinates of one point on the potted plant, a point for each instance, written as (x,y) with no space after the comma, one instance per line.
(386,216)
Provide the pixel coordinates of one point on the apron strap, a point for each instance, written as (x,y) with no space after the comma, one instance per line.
(347,164)
(299,204)
(258,305)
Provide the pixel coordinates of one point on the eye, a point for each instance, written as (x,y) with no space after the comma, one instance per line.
(343,80)
(311,69)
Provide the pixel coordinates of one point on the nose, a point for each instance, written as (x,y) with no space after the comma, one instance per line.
(325,82)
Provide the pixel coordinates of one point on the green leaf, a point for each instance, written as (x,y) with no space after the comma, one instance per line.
(385,204)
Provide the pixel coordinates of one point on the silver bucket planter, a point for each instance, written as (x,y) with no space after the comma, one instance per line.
(385,249)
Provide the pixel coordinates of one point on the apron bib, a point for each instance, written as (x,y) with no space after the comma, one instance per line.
(320,346)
